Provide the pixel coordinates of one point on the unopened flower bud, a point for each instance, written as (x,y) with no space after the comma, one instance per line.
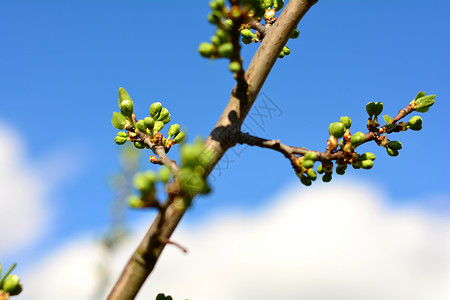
(225,50)
(340,170)
(278,4)
(126,107)
(135,202)
(281,55)
(123,95)
(357,138)
(305,180)
(149,122)
(367,164)
(346,121)
(228,24)
(336,129)
(307,163)
(286,50)
(395,145)
(247,33)
(391,152)
(158,126)
(174,130)
(120,140)
(164,174)
(155,109)
(164,115)
(140,125)
(415,123)
(222,35)
(179,138)
(12,285)
(327,177)
(320,169)
(215,40)
(311,174)
(206,49)
(368,155)
(311,155)
(234,66)
(139,145)
(295,34)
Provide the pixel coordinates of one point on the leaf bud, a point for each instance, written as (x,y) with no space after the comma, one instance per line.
(158,126)
(367,164)
(311,174)
(357,138)
(164,115)
(206,49)
(119,120)
(327,177)
(12,285)
(391,152)
(179,138)
(126,107)
(225,50)
(378,108)
(307,163)
(295,34)
(149,122)
(174,129)
(123,95)
(234,66)
(286,50)
(139,145)
(140,125)
(155,109)
(395,145)
(371,108)
(336,129)
(424,103)
(311,155)
(368,155)
(346,121)
(120,140)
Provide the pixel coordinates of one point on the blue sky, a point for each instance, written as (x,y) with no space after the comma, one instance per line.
(62,63)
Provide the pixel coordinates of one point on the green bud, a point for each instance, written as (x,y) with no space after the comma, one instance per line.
(247,33)
(371,109)
(217,5)
(281,55)
(145,182)
(320,169)
(214,18)
(222,35)
(327,177)
(357,138)
(395,145)
(424,103)
(305,180)
(225,50)
(307,163)
(368,155)
(12,285)
(367,164)
(336,129)
(206,49)
(123,95)
(192,183)
(341,144)
(391,152)
(164,115)
(266,4)
(415,123)
(286,50)
(356,165)
(120,140)
(139,145)
(155,109)
(174,130)
(126,107)
(119,120)
(247,40)
(311,174)
(311,155)
(295,34)
(346,121)
(140,125)
(164,174)
(149,122)
(179,138)
(158,126)
(278,4)
(122,134)
(216,40)
(234,66)
(135,202)
(340,170)
(420,95)
(228,24)
(378,108)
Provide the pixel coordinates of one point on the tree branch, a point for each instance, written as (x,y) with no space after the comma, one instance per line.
(222,137)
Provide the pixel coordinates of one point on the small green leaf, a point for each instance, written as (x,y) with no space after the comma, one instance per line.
(390,127)
(387,118)
(420,95)
(424,103)
(119,120)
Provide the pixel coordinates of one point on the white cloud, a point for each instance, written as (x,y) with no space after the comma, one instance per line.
(325,243)
(25,185)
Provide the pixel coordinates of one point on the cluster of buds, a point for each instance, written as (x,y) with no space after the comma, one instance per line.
(195,160)
(341,144)
(145,183)
(10,284)
(150,126)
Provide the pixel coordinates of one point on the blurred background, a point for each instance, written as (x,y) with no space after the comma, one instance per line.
(260,234)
